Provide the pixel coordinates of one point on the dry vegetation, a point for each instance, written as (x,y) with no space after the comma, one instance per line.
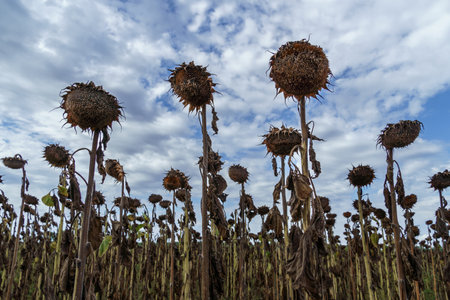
(95,248)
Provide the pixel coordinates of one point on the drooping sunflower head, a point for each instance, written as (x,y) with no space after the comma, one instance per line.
(154,198)
(440,180)
(193,85)
(361,176)
(400,134)
(114,169)
(238,173)
(409,201)
(57,156)
(89,107)
(280,141)
(299,69)
(15,162)
(175,179)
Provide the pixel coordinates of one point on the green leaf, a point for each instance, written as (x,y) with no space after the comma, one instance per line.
(104,245)
(48,200)
(374,237)
(63,191)
(146,218)
(138,227)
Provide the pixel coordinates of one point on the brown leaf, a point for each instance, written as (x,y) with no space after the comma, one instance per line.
(276,192)
(214,121)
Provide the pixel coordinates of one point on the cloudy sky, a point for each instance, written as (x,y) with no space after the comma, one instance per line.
(389,60)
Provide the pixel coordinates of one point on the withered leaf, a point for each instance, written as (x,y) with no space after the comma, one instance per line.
(276,192)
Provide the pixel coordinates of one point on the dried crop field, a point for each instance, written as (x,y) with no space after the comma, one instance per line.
(89,247)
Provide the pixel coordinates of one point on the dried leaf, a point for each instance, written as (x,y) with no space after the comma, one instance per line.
(127,188)
(400,189)
(276,192)
(100,167)
(315,164)
(105,138)
(214,121)
(274,167)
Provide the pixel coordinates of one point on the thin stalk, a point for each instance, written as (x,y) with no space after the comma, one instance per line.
(386,266)
(172,252)
(242,241)
(352,270)
(365,246)
(398,254)
(186,262)
(205,222)
(59,239)
(285,225)
(16,242)
(304,158)
(83,249)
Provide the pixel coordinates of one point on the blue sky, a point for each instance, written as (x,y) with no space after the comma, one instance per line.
(389,61)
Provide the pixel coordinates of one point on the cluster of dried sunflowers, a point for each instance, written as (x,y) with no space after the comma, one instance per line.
(85,249)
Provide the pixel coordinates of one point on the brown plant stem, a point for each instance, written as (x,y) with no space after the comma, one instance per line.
(16,242)
(285,225)
(304,158)
(242,242)
(398,255)
(83,246)
(365,246)
(352,269)
(205,222)
(172,252)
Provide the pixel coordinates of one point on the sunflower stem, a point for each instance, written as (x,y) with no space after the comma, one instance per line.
(398,255)
(304,158)
(82,248)
(205,222)
(16,242)
(365,246)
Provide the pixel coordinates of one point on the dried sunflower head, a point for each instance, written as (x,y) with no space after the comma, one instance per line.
(98,198)
(238,173)
(400,134)
(280,141)
(57,156)
(380,213)
(30,200)
(409,201)
(193,85)
(154,198)
(299,69)
(214,162)
(114,169)
(361,175)
(263,210)
(440,180)
(89,106)
(175,179)
(15,162)
(165,203)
